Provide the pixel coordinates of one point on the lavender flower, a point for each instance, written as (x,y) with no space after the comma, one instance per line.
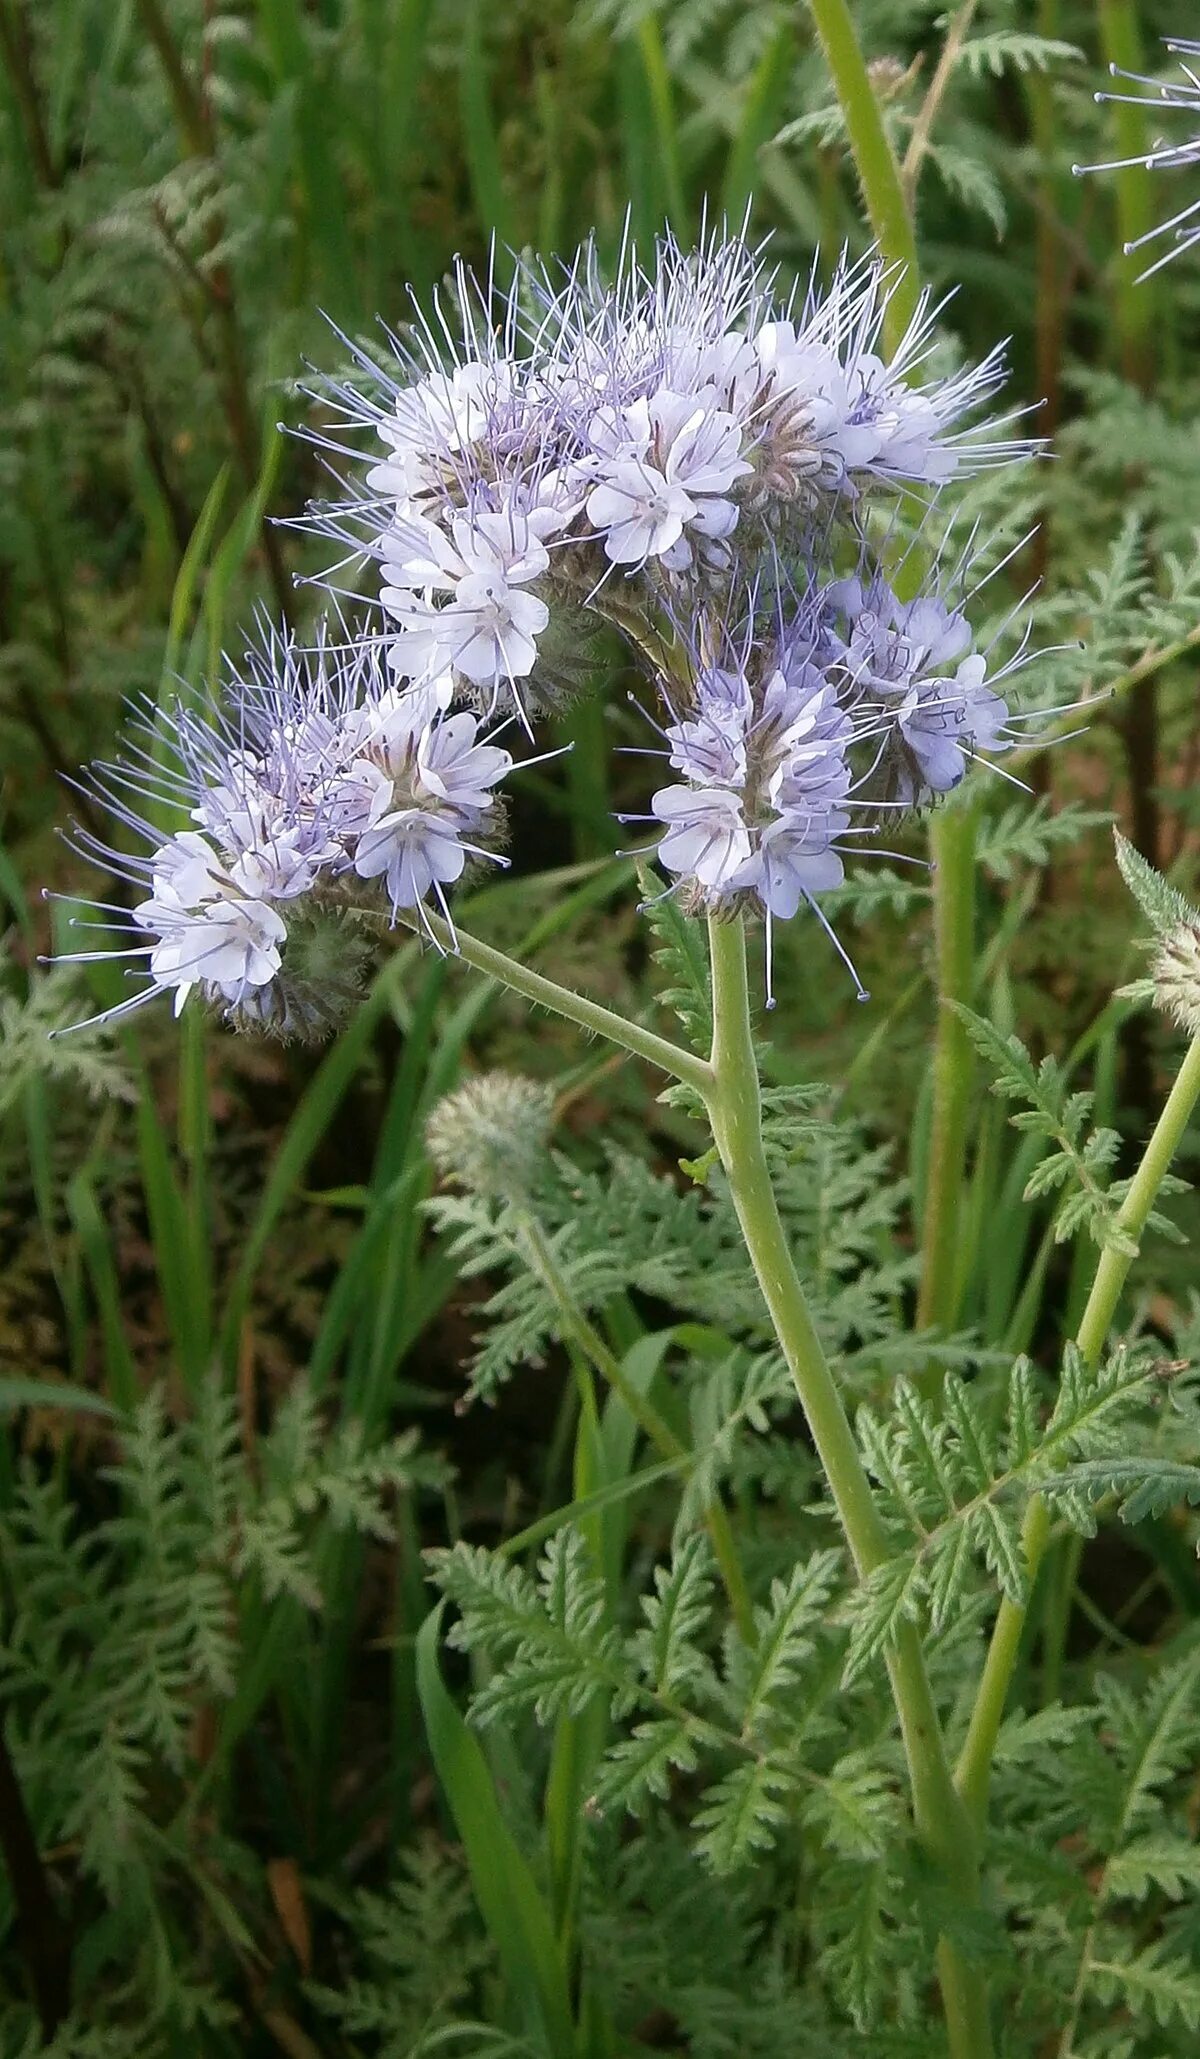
(763,749)
(578,444)
(461,598)
(822,712)
(318,776)
(910,666)
(419,785)
(1175,96)
(664,471)
(685,453)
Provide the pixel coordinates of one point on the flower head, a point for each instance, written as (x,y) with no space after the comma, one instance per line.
(492,1135)
(911,663)
(806,715)
(584,443)
(258,813)
(462,598)
(762,744)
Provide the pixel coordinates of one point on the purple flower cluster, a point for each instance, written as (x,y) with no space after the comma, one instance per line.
(683,453)
(1175,96)
(316,774)
(574,437)
(820,707)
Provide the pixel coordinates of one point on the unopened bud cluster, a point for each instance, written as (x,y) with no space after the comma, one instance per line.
(490,1136)
(1175,972)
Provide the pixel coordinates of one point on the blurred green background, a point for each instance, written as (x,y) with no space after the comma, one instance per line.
(191,194)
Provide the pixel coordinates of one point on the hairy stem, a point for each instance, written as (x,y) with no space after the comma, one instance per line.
(954,944)
(588,1015)
(952,842)
(1137,320)
(735,1109)
(875,160)
(1121,41)
(587,1339)
(1112,1271)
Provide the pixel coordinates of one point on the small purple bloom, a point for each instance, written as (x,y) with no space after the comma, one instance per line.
(318,771)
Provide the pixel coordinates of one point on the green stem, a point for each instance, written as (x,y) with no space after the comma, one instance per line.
(874,159)
(953,848)
(683,1065)
(952,836)
(584,1334)
(1137,318)
(588,1015)
(1112,1271)
(735,1109)
(1121,42)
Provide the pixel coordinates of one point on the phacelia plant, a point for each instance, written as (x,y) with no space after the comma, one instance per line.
(752,486)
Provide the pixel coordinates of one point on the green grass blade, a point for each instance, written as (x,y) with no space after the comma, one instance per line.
(185,1296)
(660,101)
(613,1495)
(120,1367)
(313,1115)
(183,600)
(17,1394)
(761,117)
(481,147)
(512,1907)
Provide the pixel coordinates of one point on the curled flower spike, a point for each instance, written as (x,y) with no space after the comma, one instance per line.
(492,1136)
(762,746)
(823,709)
(911,664)
(260,814)
(1175,96)
(576,444)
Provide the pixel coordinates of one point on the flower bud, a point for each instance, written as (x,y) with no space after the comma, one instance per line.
(1176,976)
(318,986)
(490,1135)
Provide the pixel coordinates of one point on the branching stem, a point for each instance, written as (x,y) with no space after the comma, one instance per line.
(588,1015)
(588,1341)
(728,1084)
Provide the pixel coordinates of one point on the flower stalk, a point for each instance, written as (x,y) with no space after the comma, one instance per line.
(952,835)
(586,1338)
(974,1767)
(735,1109)
(592,1016)
(954,947)
(875,160)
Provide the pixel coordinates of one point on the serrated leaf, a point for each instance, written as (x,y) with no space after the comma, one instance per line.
(742,1814)
(1163,906)
(785,1634)
(676,1614)
(854,1807)
(1146,1486)
(1171,1864)
(888,1597)
(640,1766)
